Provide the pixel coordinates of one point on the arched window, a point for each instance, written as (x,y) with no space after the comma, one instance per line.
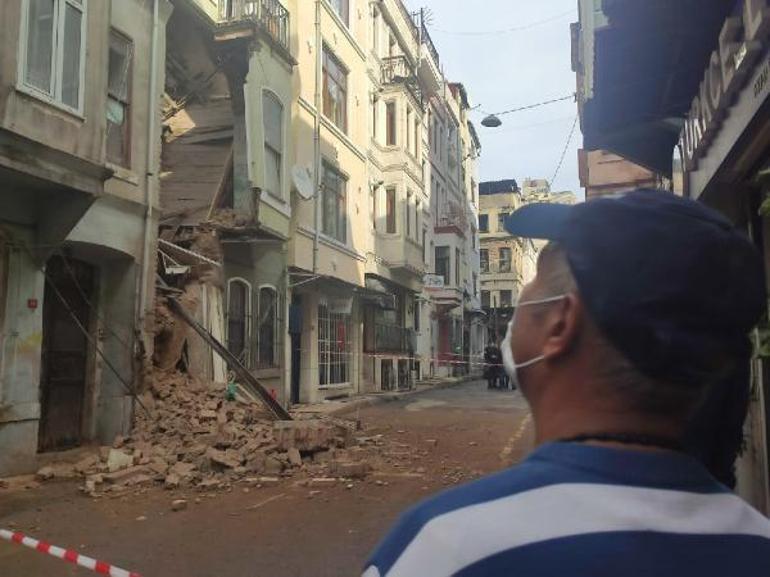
(239,318)
(269,334)
(272,117)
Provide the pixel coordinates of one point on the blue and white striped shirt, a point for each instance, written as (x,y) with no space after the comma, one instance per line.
(582,511)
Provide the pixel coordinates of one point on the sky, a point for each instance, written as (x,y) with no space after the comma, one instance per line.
(507,56)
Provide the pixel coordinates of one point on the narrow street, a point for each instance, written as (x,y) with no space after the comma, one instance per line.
(445,437)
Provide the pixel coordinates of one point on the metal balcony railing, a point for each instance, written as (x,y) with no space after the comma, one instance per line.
(426,39)
(396,69)
(270,15)
(393,339)
(453,215)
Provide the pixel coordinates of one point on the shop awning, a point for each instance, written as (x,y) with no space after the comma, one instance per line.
(649,62)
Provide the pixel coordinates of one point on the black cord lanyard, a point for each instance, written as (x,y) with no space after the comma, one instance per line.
(628,439)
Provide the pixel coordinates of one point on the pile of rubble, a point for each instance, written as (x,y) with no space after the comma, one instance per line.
(192,436)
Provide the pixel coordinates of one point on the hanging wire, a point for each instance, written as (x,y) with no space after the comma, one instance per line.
(530,106)
(508,30)
(566,147)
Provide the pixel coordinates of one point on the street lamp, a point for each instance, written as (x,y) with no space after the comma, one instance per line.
(491,121)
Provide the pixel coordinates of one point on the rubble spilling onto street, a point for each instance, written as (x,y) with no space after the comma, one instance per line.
(200,435)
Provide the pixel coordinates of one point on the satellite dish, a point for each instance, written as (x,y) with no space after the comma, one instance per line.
(303,182)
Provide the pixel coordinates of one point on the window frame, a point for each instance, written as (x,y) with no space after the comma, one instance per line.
(327,358)
(391,123)
(345,6)
(328,56)
(501,216)
(275,362)
(485,219)
(509,261)
(447,259)
(391,211)
(248,319)
(127,159)
(484,260)
(54,97)
(457,267)
(267,93)
(341,214)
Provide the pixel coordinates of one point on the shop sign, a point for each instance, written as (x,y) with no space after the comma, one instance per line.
(741,41)
(433,281)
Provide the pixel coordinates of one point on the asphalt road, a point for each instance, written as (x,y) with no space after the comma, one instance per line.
(438,439)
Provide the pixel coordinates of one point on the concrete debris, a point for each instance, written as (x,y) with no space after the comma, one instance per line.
(118,460)
(178,505)
(194,437)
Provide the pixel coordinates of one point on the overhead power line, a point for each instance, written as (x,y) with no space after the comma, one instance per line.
(566,147)
(531,106)
(507,30)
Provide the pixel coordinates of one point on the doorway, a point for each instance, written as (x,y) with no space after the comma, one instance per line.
(295,333)
(69,288)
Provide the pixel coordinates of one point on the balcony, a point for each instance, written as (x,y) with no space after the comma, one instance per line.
(398,70)
(402,253)
(454,219)
(392,339)
(269,16)
(430,65)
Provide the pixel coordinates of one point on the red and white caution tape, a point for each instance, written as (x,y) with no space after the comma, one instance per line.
(65,554)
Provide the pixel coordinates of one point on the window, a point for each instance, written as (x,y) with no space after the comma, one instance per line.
(483,223)
(417,314)
(417,220)
(475,285)
(375,115)
(374,208)
(267,325)
(485,299)
(334,346)
(390,124)
(457,267)
(408,214)
(54,49)
(342,8)
(335,90)
(409,134)
(501,216)
(506,300)
(334,217)
(119,74)
(484,260)
(390,210)
(442,263)
(392,45)
(239,318)
(376,31)
(416,136)
(425,245)
(505,259)
(272,118)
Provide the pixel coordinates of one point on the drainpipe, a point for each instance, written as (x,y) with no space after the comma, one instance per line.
(317,133)
(149,196)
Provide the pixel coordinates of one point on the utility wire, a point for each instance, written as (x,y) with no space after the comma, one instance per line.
(507,30)
(531,106)
(566,147)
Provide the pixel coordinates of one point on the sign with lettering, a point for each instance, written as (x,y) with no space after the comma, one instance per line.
(741,42)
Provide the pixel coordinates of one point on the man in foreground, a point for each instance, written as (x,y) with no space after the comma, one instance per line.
(638,315)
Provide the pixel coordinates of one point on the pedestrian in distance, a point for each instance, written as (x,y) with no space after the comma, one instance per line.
(631,346)
(493,365)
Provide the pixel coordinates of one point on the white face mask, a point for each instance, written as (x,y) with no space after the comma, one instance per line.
(509,363)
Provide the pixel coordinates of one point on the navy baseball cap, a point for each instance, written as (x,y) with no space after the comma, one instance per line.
(671,283)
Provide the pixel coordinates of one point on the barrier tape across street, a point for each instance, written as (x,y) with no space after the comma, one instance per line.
(67,555)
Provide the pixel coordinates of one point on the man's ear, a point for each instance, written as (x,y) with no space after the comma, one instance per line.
(562,324)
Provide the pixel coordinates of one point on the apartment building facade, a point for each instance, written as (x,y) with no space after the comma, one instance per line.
(79,151)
